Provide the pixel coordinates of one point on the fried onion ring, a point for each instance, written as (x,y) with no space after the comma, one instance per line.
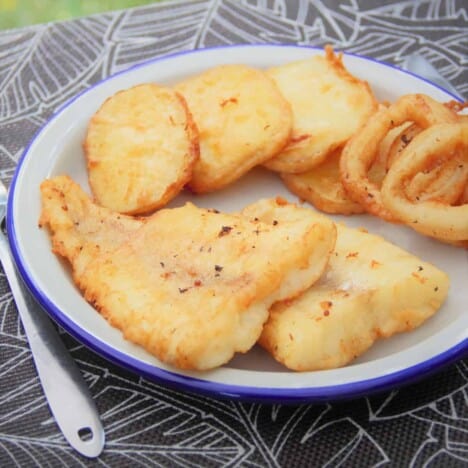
(378,170)
(361,150)
(456,106)
(432,218)
(445,183)
(402,139)
(464,196)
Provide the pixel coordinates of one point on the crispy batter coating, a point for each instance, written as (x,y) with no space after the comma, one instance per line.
(322,187)
(192,286)
(242,118)
(141,146)
(371,289)
(275,211)
(329,105)
(364,148)
(81,230)
(431,216)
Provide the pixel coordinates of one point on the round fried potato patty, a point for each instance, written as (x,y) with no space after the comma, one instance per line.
(141,146)
(242,118)
(322,187)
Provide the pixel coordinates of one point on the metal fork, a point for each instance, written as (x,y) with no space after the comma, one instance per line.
(67,393)
(417,64)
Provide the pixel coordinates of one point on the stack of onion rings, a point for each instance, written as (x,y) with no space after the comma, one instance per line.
(444,181)
(407,164)
(362,149)
(430,217)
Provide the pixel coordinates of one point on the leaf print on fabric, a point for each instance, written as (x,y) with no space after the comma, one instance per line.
(419,396)
(36,79)
(147,424)
(148,32)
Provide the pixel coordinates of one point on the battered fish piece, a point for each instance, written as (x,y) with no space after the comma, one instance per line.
(141,146)
(322,187)
(275,211)
(81,230)
(328,103)
(371,289)
(242,118)
(192,286)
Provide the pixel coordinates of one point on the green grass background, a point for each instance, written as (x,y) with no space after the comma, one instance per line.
(17,13)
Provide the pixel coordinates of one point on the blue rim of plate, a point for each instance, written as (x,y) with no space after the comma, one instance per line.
(206,387)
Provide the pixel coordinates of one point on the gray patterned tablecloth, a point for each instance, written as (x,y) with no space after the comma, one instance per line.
(425,424)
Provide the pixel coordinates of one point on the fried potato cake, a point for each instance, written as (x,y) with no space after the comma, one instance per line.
(81,230)
(371,289)
(242,118)
(190,285)
(328,103)
(141,146)
(322,187)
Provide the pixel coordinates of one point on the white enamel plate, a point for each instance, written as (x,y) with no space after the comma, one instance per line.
(57,150)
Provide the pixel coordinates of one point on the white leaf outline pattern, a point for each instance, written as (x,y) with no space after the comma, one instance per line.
(156,426)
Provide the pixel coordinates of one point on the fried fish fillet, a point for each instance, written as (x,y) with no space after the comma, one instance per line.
(81,230)
(275,211)
(190,285)
(328,103)
(371,289)
(242,118)
(141,146)
(322,187)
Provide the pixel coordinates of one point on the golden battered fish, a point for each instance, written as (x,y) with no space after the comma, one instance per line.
(328,103)
(371,289)
(190,285)
(141,146)
(81,230)
(275,211)
(242,118)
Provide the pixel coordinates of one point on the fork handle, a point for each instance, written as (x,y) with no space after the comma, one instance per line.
(64,387)
(417,64)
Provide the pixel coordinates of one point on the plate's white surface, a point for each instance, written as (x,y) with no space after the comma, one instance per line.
(57,150)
